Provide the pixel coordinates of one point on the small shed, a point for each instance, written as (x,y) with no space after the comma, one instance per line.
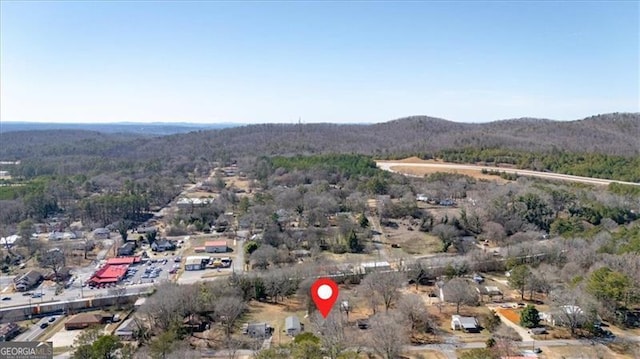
(257,330)
(292,325)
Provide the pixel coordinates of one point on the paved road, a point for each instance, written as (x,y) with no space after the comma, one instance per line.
(378,239)
(35,331)
(388,166)
(72,293)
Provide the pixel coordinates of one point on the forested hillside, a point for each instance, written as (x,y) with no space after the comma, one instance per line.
(604,146)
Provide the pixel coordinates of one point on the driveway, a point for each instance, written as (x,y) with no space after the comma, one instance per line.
(523,332)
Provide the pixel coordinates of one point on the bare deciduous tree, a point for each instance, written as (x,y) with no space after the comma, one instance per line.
(53,259)
(388,335)
(385,285)
(459,292)
(413,309)
(229,310)
(332,334)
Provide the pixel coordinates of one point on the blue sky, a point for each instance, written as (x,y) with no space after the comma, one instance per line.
(338,62)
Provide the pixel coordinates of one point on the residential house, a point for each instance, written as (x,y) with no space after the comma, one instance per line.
(195,323)
(447,202)
(292,325)
(101,233)
(162,245)
(126,330)
(9,241)
(62,275)
(58,236)
(127,249)
(490,291)
(257,330)
(193,263)
(145,230)
(8,331)
(216,246)
(85,320)
(28,281)
(565,315)
(467,324)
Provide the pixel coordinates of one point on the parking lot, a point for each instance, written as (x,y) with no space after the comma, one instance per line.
(155,270)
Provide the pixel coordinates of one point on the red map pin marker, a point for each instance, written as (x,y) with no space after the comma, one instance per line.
(324,292)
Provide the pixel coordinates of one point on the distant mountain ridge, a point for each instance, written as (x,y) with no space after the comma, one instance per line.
(152,128)
(611,134)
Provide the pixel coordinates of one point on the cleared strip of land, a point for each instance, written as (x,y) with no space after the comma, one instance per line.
(415,168)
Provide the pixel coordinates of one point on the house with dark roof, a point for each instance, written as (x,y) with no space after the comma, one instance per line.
(257,330)
(162,245)
(28,281)
(195,323)
(127,249)
(101,233)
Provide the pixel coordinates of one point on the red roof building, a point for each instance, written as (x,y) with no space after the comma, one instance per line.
(123,260)
(109,274)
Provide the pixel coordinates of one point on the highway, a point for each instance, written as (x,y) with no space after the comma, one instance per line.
(389,166)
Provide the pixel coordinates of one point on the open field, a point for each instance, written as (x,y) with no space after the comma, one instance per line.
(423,166)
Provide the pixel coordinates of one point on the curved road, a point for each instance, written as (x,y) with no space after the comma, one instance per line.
(388,166)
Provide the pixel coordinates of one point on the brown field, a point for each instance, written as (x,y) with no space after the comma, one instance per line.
(412,241)
(422,171)
(510,314)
